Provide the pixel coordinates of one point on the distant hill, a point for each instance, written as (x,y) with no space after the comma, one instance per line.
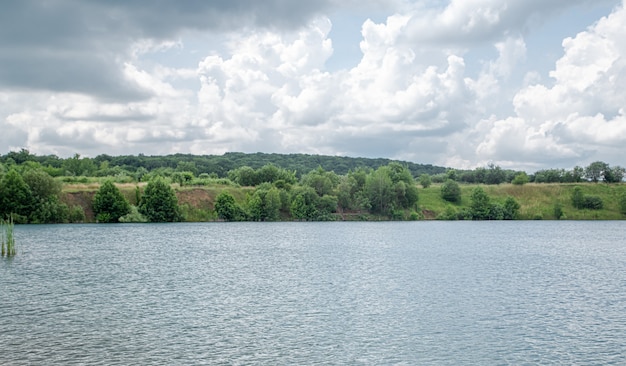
(301,163)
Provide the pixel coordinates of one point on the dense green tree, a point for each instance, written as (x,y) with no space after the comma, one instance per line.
(79,166)
(109,204)
(264,204)
(227,208)
(322,181)
(159,202)
(511,208)
(41,184)
(379,190)
(451,191)
(15,196)
(46,207)
(480,205)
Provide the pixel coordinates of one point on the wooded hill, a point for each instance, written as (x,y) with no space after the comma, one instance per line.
(219,165)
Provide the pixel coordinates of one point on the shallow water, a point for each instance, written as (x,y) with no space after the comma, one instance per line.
(316,293)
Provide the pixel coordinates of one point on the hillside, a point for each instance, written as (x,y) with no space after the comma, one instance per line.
(537,201)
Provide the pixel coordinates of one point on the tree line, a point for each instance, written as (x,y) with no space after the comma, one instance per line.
(30,189)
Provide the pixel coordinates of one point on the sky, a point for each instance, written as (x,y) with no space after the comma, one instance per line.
(523,84)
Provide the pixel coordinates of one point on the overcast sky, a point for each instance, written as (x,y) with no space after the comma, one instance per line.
(524,84)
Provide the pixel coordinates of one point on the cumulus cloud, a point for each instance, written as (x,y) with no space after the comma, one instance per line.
(581,113)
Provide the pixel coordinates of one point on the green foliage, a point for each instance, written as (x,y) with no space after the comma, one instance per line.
(15,195)
(511,208)
(480,206)
(227,208)
(578,197)
(451,191)
(448,214)
(159,202)
(582,201)
(379,191)
(270,173)
(264,204)
(425,180)
(521,179)
(109,204)
(593,203)
(134,216)
(322,181)
(558,211)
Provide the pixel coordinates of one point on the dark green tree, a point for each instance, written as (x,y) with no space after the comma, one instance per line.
(227,208)
(15,196)
(159,202)
(480,206)
(451,191)
(264,204)
(109,204)
(511,208)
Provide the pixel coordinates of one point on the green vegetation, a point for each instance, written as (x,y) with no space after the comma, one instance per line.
(236,187)
(8,240)
(109,205)
(159,202)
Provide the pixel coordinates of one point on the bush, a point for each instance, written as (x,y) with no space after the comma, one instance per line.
(521,179)
(159,202)
(593,203)
(133,216)
(581,201)
(558,211)
(451,192)
(622,203)
(109,204)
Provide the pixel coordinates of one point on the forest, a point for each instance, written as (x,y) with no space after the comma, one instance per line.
(271,187)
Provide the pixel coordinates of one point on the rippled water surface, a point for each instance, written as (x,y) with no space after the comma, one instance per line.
(316,293)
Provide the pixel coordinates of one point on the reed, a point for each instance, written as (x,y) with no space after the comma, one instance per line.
(8,240)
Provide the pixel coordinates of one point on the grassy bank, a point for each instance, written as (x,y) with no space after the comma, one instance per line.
(537,201)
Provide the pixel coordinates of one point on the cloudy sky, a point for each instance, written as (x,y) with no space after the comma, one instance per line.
(525,84)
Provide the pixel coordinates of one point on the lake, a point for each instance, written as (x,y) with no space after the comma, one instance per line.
(370,293)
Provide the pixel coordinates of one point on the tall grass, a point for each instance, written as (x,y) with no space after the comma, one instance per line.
(8,240)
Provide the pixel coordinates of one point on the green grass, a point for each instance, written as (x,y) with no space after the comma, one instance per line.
(537,201)
(8,240)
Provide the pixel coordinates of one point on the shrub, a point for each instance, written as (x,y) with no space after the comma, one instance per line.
(159,202)
(109,204)
(521,179)
(593,203)
(451,192)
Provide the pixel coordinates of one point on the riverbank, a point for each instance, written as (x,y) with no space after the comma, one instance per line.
(537,201)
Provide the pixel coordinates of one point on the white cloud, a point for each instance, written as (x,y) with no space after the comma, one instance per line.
(581,114)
